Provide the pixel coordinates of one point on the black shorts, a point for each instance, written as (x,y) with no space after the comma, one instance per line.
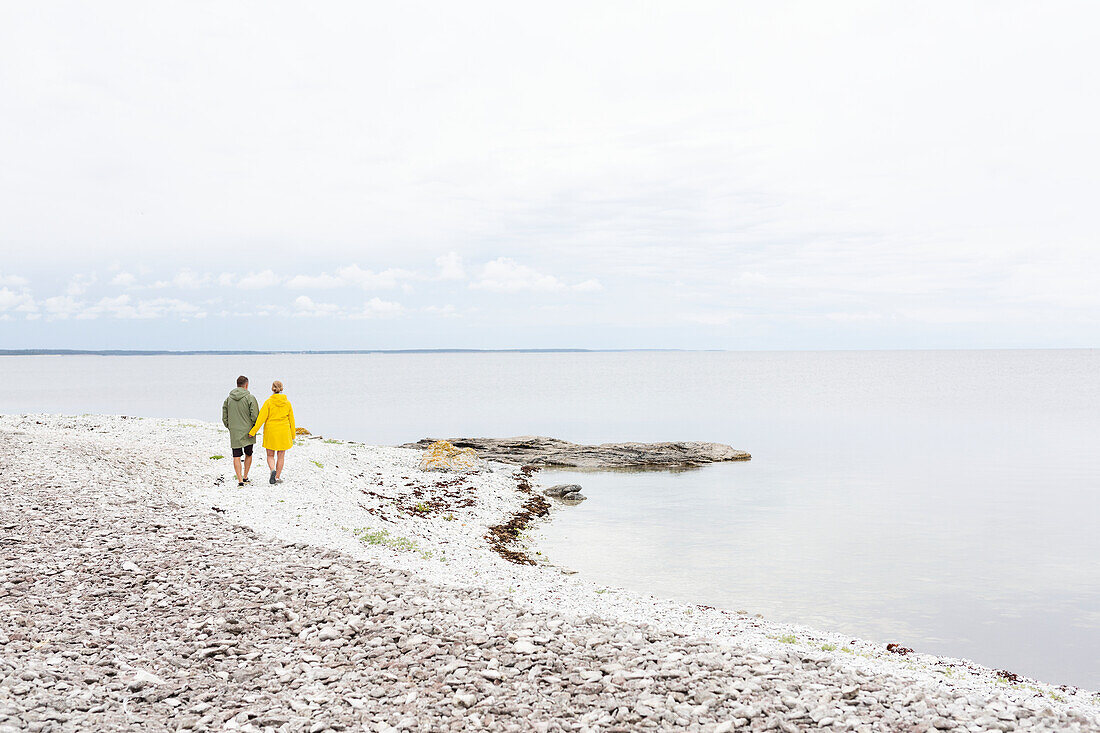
(247,450)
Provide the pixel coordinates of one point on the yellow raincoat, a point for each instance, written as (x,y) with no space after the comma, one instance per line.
(277,420)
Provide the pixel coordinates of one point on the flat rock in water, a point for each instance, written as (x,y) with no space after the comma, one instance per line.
(535,450)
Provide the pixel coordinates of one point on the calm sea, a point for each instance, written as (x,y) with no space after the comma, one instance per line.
(949,501)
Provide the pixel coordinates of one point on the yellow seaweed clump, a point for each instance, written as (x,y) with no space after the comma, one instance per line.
(442,456)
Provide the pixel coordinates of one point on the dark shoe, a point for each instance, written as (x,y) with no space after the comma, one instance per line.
(247,481)
(272,479)
(240,484)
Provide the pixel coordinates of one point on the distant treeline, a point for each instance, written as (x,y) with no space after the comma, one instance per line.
(141,352)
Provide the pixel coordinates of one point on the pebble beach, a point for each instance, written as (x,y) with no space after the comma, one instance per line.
(142,589)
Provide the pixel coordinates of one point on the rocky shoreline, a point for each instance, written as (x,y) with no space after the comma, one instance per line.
(139,589)
(537,450)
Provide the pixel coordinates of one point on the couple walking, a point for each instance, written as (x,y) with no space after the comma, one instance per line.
(244,418)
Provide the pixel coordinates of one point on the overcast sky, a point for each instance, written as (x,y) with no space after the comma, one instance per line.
(766,175)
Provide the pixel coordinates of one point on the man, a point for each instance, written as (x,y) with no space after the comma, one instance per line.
(239,413)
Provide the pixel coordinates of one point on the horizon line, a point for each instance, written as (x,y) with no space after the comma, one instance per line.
(563,350)
(246,352)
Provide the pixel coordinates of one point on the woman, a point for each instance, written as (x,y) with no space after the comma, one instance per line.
(277,420)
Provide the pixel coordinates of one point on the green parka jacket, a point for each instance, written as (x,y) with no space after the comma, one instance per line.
(239,413)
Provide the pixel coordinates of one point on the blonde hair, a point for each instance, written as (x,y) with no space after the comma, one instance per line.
(277,386)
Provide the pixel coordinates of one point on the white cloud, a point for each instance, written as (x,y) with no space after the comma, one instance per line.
(323,281)
(118,306)
(61,307)
(79,284)
(162,307)
(122,307)
(21,302)
(751,277)
(305,306)
(505,275)
(588,286)
(185,280)
(189,280)
(378,308)
(446,311)
(123,279)
(226,279)
(353,276)
(257,280)
(14,281)
(450,266)
(368,280)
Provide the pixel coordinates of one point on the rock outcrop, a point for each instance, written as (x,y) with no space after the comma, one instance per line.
(537,450)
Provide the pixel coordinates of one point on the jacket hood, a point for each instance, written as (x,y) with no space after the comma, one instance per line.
(278,399)
(238,393)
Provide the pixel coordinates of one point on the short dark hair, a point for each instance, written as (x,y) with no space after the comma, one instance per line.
(242,380)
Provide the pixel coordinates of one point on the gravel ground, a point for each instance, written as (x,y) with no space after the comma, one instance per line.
(127,601)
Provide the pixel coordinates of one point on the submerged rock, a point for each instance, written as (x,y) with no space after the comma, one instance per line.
(568,493)
(537,450)
(561,490)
